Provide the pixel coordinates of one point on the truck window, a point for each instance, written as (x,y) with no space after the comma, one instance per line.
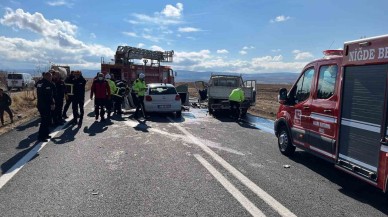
(327,80)
(303,86)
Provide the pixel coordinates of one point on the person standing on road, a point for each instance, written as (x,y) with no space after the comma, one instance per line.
(68,94)
(113,89)
(100,89)
(5,103)
(60,89)
(139,87)
(78,83)
(236,97)
(46,104)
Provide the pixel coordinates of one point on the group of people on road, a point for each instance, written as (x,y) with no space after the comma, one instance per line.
(51,90)
(108,95)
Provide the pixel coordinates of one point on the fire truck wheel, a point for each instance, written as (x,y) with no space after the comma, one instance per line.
(284,142)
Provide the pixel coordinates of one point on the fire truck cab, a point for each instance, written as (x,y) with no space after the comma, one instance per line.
(124,67)
(337,110)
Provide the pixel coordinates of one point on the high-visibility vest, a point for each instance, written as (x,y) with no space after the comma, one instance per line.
(237,95)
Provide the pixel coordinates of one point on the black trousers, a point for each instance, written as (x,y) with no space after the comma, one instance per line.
(140,105)
(67,105)
(78,104)
(45,119)
(118,101)
(235,108)
(99,109)
(109,106)
(8,110)
(57,114)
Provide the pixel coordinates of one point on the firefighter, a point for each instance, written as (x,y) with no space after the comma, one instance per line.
(118,97)
(139,87)
(100,89)
(78,83)
(59,96)
(46,104)
(68,94)
(113,89)
(236,97)
(5,103)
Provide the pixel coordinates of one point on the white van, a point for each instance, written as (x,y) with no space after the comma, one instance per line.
(19,81)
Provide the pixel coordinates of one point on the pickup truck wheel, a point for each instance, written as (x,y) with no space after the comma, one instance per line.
(244,112)
(209,105)
(178,114)
(284,142)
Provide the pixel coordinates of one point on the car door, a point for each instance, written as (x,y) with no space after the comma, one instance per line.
(324,106)
(300,97)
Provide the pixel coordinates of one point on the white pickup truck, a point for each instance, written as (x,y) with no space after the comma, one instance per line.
(220,87)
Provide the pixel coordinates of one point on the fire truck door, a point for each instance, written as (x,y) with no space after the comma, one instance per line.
(363,102)
(323,108)
(300,94)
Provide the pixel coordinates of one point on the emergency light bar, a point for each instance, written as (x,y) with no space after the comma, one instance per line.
(333,52)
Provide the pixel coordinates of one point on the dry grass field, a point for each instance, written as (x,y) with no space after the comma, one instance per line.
(266,99)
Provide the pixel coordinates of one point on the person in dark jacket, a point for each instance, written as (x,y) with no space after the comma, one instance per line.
(68,94)
(100,89)
(5,103)
(78,83)
(45,94)
(59,96)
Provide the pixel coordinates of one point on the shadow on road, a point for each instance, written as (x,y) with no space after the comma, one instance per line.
(33,123)
(68,135)
(96,127)
(12,161)
(26,143)
(350,185)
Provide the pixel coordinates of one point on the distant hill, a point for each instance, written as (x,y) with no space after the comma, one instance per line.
(264,78)
(190,76)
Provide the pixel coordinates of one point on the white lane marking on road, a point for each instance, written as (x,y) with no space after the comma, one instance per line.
(278,207)
(26,158)
(164,132)
(245,202)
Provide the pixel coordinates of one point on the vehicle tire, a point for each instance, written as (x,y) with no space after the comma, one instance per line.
(244,112)
(178,114)
(284,142)
(209,106)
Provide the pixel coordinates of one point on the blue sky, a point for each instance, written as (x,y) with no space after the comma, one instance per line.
(216,35)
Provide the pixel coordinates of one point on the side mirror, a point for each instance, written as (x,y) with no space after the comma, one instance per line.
(282,97)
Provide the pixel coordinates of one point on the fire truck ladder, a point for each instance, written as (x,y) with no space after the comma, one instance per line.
(126,54)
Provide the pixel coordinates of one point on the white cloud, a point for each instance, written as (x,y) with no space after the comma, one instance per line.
(189,29)
(280,18)
(92,35)
(60,3)
(171,11)
(204,61)
(248,47)
(156,48)
(300,55)
(151,38)
(131,34)
(56,41)
(276,50)
(223,51)
(191,38)
(243,52)
(140,45)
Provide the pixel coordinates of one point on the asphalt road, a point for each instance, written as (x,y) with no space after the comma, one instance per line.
(196,165)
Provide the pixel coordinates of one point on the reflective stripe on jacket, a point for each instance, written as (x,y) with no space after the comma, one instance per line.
(237,95)
(139,87)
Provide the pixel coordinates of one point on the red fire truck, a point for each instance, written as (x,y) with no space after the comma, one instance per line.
(124,67)
(337,110)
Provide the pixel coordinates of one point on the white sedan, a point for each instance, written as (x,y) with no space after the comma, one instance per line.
(162,98)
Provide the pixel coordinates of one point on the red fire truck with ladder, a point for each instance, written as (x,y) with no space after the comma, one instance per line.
(124,67)
(338,110)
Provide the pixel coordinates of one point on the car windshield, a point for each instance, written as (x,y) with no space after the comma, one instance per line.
(162,90)
(14,76)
